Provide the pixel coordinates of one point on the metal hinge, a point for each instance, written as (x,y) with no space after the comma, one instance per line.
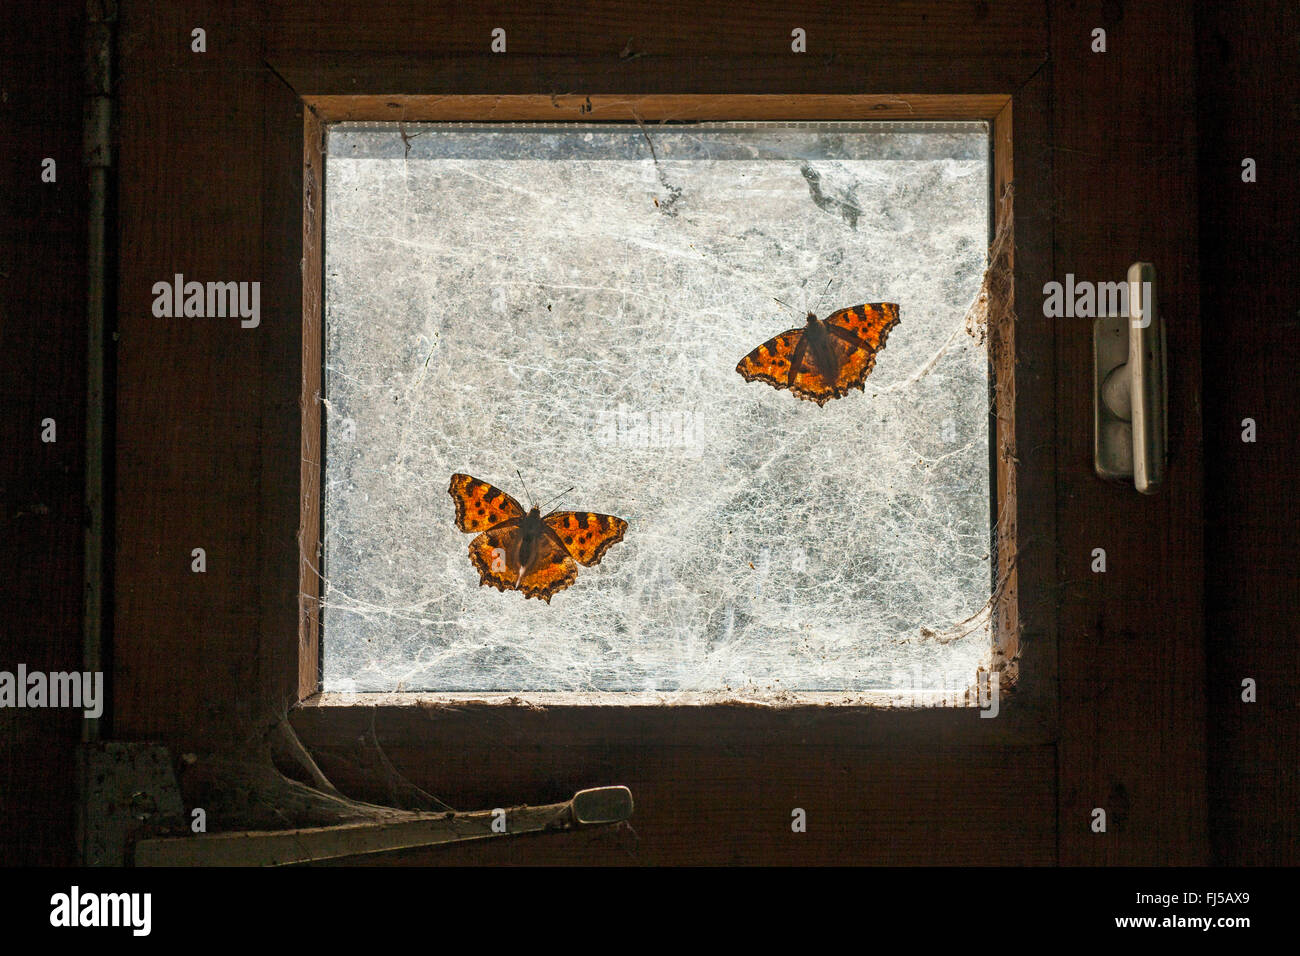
(125,789)
(131,812)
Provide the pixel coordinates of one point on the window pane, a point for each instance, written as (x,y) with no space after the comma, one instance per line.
(561,301)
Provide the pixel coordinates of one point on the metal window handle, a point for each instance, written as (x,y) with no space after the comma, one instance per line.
(1130,388)
(598,806)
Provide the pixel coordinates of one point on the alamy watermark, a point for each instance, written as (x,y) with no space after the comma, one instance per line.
(208,300)
(919,689)
(76,908)
(24,688)
(657,428)
(1088,300)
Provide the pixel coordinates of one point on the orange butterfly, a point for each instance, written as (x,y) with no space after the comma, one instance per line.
(523,551)
(825,358)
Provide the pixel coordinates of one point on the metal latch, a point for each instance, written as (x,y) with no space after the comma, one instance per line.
(1130,388)
(131,806)
(595,807)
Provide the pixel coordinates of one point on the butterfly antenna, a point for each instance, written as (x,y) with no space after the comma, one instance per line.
(560,495)
(786,304)
(525,484)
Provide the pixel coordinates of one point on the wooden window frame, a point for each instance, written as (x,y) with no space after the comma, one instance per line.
(1026,712)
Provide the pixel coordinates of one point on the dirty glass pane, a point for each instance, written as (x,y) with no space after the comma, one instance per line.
(571,302)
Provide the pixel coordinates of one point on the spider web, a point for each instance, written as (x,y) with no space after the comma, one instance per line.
(565,303)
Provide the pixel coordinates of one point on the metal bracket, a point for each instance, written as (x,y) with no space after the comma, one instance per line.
(594,807)
(125,789)
(131,811)
(1130,388)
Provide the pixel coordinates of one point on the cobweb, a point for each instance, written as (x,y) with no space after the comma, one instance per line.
(571,303)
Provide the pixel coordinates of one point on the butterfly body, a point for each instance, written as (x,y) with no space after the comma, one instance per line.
(819,350)
(827,357)
(530,537)
(519,550)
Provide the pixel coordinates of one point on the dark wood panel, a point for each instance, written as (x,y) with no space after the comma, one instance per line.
(1024,379)
(42,375)
(285,651)
(708,805)
(312,72)
(192,396)
(441,723)
(411,47)
(1131,644)
(1250,279)
(628,33)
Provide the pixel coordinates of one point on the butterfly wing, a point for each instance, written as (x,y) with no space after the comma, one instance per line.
(552,570)
(867,325)
(809,383)
(586,535)
(480,506)
(772,361)
(495,554)
(857,335)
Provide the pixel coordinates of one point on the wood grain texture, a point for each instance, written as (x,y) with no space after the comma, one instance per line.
(310,540)
(1131,645)
(1250,280)
(414,47)
(469,721)
(732,805)
(294,279)
(1025,448)
(193,443)
(631,32)
(42,375)
(664,108)
(311,74)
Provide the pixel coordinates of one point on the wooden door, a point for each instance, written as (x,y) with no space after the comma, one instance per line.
(214,431)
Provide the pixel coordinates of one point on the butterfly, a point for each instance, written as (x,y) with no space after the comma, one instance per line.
(523,551)
(825,358)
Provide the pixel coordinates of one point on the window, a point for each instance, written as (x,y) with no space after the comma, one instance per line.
(571,301)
